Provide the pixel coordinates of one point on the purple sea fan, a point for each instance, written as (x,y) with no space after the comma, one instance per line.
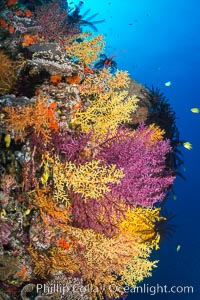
(101,215)
(146,178)
(51,21)
(71,148)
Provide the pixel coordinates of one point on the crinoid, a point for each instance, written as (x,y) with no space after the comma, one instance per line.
(106,62)
(164,226)
(157,230)
(76,20)
(162,114)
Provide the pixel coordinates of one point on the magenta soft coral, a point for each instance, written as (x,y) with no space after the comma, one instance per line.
(146,177)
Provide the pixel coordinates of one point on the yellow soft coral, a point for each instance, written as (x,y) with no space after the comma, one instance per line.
(139,269)
(157,133)
(104,82)
(90,180)
(85,47)
(41,262)
(49,209)
(106,112)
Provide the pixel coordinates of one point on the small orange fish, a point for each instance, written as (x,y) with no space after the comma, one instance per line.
(88,70)
(51,109)
(52,119)
(50,112)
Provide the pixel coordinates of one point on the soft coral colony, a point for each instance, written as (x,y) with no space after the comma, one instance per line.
(83,172)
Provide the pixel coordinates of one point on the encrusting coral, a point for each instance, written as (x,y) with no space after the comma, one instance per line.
(81,182)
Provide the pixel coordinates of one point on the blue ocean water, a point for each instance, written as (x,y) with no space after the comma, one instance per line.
(157,42)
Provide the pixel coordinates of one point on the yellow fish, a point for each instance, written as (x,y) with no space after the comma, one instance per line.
(174,196)
(195,110)
(7,140)
(187,145)
(178,248)
(45,176)
(27,212)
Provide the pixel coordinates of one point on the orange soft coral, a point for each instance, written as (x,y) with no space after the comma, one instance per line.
(50,210)
(29,39)
(51,114)
(24,13)
(28,13)
(19,13)
(22,273)
(77,106)
(73,79)
(11,29)
(63,244)
(55,79)
(3,23)
(11,2)
(40,117)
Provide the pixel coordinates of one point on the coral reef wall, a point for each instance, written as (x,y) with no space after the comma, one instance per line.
(82,173)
